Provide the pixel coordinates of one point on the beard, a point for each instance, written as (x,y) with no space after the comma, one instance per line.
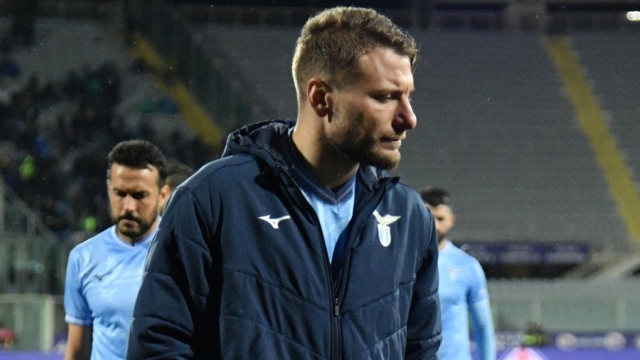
(364,153)
(131,231)
(360,146)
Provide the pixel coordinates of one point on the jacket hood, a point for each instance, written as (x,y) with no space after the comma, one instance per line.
(262,139)
(267,139)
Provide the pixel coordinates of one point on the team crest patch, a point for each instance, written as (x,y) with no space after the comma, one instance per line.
(384,231)
(384,234)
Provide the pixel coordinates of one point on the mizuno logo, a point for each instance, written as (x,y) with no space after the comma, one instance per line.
(274,222)
(99,277)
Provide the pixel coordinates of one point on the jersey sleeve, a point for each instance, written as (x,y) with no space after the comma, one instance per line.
(477,284)
(76,308)
(480,311)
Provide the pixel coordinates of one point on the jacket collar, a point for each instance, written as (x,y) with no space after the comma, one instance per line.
(267,140)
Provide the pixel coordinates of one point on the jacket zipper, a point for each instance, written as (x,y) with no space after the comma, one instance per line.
(336,331)
(336,326)
(341,281)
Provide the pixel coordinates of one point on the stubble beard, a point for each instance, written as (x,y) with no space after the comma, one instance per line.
(361,148)
(133,233)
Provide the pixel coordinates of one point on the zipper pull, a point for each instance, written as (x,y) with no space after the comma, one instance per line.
(336,307)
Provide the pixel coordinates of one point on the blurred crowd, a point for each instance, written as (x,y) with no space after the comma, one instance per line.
(58,166)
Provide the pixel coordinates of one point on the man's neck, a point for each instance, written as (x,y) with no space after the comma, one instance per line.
(132,241)
(323,162)
(442,244)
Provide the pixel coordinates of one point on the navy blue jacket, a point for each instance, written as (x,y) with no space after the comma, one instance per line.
(221,283)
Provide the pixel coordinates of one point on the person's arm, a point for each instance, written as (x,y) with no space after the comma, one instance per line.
(480,311)
(483,330)
(77,311)
(424,326)
(78,343)
(173,317)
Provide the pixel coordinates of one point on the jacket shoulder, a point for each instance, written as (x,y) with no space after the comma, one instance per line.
(407,195)
(221,172)
(409,192)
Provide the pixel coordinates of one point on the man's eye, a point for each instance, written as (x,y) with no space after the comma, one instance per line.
(138,196)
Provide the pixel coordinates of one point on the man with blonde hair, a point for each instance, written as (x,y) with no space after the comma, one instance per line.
(297,244)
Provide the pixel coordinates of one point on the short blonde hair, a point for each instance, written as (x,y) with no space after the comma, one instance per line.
(332,41)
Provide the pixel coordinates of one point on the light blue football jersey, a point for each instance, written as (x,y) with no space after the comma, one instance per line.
(463,291)
(334,208)
(104,275)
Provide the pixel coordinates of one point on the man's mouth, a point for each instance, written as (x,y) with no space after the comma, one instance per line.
(128,221)
(392,143)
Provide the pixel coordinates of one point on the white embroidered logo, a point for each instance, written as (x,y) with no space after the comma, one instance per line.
(384,232)
(274,222)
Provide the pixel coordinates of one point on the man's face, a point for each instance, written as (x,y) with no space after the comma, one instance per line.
(370,116)
(444,218)
(134,198)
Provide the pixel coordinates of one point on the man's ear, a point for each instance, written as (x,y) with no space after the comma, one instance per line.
(317,91)
(165,194)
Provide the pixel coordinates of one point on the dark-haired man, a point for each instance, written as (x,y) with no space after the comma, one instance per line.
(297,244)
(463,289)
(104,272)
(177,173)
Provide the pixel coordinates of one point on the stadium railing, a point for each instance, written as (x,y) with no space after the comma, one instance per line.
(566,305)
(33,319)
(32,258)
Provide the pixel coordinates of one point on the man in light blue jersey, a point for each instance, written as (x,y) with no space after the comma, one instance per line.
(104,273)
(463,289)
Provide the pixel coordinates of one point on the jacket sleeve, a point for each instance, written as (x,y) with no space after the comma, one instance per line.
(175,313)
(424,325)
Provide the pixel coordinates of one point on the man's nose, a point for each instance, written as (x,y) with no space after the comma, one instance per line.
(406,118)
(129,204)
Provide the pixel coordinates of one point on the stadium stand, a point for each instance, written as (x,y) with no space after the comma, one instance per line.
(502,136)
(262,56)
(77,93)
(98,70)
(64,103)
(613,78)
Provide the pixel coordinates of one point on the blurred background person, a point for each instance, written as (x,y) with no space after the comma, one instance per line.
(177,173)
(463,289)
